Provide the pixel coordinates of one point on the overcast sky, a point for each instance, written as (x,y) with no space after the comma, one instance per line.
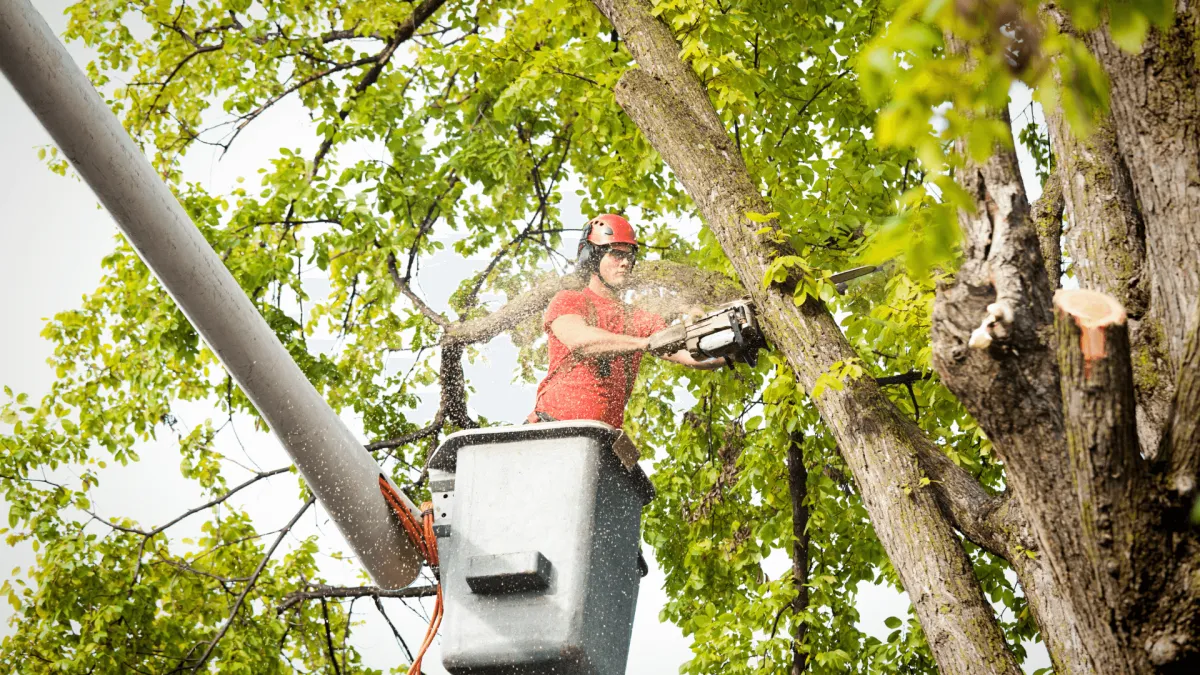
(52,238)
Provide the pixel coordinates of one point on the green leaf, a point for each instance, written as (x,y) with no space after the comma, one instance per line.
(762,217)
(1128,26)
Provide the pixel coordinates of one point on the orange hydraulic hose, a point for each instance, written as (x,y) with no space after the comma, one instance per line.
(422,536)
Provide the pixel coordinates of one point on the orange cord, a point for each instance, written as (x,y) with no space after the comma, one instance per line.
(422,536)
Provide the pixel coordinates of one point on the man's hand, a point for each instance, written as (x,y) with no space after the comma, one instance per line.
(683,358)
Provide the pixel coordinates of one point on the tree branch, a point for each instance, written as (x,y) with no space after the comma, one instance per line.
(329,638)
(1047,218)
(321,591)
(419,303)
(798,489)
(983,518)
(259,476)
(399,640)
(175,71)
(537,220)
(453,402)
(1108,238)
(404,31)
(1118,537)
(426,431)
(902,378)
(249,117)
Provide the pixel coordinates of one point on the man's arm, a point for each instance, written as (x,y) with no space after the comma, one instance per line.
(584,340)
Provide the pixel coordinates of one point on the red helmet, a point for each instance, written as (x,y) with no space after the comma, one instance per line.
(600,233)
(609,229)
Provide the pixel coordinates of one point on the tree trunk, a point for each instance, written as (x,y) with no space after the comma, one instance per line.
(1047,218)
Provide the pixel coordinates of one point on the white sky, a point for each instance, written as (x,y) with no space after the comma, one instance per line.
(52,237)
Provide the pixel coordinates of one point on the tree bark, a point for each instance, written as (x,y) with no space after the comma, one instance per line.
(668,103)
(1181,443)
(993,349)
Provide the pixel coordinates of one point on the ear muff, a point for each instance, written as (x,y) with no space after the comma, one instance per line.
(587,258)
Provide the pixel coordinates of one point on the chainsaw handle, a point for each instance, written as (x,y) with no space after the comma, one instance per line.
(668,340)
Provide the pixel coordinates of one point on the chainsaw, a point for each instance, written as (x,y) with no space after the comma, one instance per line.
(730,331)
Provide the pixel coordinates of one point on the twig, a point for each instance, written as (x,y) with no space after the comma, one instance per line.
(421,12)
(253,114)
(388,619)
(404,288)
(329,637)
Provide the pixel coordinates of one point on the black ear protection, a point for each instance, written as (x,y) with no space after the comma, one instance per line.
(588,255)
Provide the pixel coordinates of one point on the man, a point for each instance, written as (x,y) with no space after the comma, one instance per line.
(596,340)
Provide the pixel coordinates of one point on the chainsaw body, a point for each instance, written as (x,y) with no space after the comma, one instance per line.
(731,331)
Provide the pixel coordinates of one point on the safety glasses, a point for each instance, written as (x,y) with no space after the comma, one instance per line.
(629,256)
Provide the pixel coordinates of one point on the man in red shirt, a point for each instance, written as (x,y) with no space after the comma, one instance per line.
(596,340)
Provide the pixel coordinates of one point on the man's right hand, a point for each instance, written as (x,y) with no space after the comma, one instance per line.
(668,340)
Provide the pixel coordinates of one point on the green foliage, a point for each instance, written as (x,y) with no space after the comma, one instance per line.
(941,72)
(463,143)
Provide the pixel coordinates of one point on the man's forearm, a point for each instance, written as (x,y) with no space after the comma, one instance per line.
(599,342)
(585,340)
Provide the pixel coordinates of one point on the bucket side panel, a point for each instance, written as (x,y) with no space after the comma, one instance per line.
(517,497)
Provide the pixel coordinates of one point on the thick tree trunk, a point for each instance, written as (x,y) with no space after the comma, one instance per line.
(668,103)
(1066,431)
(798,486)
(992,346)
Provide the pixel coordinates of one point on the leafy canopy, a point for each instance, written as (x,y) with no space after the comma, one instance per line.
(482,130)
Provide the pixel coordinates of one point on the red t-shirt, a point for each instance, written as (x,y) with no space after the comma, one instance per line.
(586,388)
